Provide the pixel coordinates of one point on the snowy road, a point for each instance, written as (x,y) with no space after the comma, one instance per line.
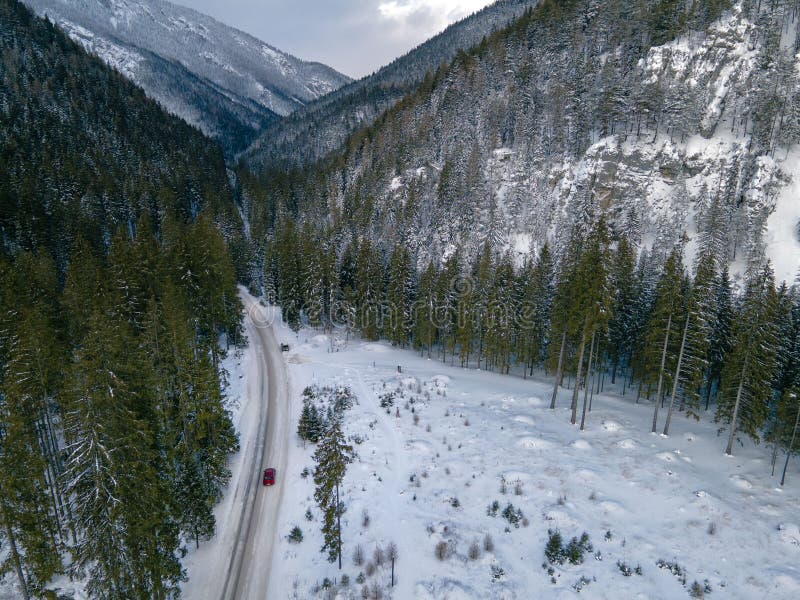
(251,555)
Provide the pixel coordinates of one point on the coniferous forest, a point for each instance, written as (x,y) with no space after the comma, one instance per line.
(490,201)
(116,289)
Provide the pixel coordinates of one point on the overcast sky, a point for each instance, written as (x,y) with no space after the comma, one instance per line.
(355,37)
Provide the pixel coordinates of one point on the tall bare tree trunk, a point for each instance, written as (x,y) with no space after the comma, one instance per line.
(339,525)
(576,389)
(661,373)
(677,377)
(588,383)
(559,370)
(729,449)
(791,446)
(12,542)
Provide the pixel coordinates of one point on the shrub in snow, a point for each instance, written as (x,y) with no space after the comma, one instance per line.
(378,556)
(674,568)
(557,553)
(712,528)
(309,515)
(365,593)
(345,581)
(512,515)
(497,573)
(581,583)
(474,551)
(609,536)
(627,571)
(518,488)
(360,579)
(696,591)
(441,550)
(364,518)
(387,400)
(488,543)
(503,486)
(455,503)
(375,591)
(296,535)
(370,569)
(358,556)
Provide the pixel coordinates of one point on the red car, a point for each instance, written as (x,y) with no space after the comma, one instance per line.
(269,476)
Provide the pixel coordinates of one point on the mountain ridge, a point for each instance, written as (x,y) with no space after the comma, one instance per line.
(152,42)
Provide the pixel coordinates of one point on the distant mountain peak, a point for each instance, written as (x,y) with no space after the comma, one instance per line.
(222,80)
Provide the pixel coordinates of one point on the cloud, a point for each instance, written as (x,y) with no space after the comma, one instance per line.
(435,15)
(354,36)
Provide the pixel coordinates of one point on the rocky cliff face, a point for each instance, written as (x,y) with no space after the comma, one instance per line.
(667,124)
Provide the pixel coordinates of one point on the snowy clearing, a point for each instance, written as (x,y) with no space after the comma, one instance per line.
(643,499)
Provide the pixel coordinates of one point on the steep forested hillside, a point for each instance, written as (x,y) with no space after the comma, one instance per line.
(323,125)
(84,151)
(667,118)
(116,287)
(222,80)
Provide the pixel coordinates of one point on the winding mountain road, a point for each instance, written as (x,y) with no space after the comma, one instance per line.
(247,575)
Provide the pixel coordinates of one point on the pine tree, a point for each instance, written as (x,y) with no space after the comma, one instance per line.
(750,364)
(331,457)
(691,362)
(533,316)
(621,327)
(665,320)
(424,330)
(592,298)
(719,336)
(399,297)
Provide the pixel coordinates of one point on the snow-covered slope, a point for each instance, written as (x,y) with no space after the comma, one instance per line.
(568,115)
(198,68)
(430,468)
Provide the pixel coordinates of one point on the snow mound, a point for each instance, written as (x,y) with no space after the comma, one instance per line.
(626,444)
(789,533)
(318,341)
(377,348)
(561,519)
(666,456)
(532,443)
(410,383)
(611,426)
(741,482)
(613,507)
(420,446)
(444,589)
(524,419)
(581,445)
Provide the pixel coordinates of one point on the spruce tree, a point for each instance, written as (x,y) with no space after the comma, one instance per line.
(331,457)
(666,319)
(747,377)
(691,361)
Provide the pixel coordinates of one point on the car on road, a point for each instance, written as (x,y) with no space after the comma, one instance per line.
(269,476)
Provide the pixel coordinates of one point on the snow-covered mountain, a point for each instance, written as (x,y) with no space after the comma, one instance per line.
(220,79)
(666,120)
(323,125)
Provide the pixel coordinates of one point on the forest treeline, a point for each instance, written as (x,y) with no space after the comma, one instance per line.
(118,301)
(684,339)
(114,432)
